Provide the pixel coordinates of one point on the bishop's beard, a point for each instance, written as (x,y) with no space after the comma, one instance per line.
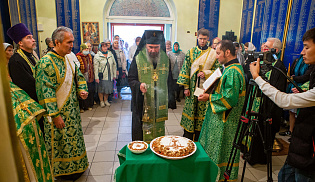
(154,59)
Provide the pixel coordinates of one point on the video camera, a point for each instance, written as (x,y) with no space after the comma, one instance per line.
(266,60)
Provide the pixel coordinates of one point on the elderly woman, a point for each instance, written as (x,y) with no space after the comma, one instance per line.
(121,65)
(50,46)
(105,72)
(177,58)
(168,45)
(86,68)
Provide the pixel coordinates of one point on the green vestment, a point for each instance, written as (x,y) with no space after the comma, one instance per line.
(222,118)
(156,97)
(192,120)
(58,83)
(33,150)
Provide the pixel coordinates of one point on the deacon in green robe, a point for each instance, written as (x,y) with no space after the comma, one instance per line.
(224,110)
(59,83)
(34,157)
(199,63)
(149,78)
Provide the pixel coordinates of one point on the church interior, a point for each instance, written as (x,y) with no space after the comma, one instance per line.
(106,130)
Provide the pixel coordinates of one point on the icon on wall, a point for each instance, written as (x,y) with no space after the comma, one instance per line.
(91,32)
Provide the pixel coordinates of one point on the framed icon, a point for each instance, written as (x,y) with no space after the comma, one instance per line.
(91,32)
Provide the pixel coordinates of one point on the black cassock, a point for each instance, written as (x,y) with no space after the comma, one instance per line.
(22,76)
(21,73)
(137,99)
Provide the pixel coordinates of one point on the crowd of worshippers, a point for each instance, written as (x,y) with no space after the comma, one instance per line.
(62,84)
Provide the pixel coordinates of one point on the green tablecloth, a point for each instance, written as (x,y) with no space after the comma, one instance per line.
(148,167)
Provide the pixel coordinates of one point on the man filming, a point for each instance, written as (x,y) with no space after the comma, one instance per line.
(276,79)
(300,163)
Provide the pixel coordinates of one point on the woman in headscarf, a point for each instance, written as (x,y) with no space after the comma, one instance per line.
(86,67)
(8,48)
(105,73)
(177,58)
(248,47)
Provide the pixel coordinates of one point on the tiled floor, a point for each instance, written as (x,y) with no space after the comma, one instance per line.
(107,130)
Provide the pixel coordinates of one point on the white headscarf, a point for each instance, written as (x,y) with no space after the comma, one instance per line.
(6,45)
(251,47)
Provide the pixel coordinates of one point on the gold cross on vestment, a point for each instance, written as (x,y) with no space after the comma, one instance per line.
(25,108)
(145,68)
(163,69)
(31,139)
(160,130)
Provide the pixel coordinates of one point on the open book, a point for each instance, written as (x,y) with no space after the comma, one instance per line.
(209,83)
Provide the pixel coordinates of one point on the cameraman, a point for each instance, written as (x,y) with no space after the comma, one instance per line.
(271,110)
(300,163)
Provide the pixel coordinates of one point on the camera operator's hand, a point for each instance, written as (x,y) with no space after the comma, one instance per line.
(255,68)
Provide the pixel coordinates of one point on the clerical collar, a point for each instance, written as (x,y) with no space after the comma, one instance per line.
(203,48)
(27,53)
(30,57)
(233,61)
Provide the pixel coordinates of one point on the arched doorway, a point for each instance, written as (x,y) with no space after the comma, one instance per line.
(139,13)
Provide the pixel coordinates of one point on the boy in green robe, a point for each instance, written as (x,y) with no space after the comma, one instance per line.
(223,113)
(59,83)
(199,64)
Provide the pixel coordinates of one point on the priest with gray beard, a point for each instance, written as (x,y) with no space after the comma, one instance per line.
(150,80)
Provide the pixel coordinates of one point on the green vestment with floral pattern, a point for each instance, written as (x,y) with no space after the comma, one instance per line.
(156,97)
(58,83)
(222,117)
(193,118)
(35,159)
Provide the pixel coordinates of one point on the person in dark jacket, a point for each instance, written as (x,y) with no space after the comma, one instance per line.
(22,64)
(274,112)
(300,74)
(300,163)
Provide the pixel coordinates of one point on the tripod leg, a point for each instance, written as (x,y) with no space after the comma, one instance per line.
(243,173)
(237,139)
(239,135)
(269,150)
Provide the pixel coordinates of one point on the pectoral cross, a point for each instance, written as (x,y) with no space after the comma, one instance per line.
(155,76)
(163,69)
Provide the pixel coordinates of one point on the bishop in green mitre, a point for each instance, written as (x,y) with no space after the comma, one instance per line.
(33,155)
(149,79)
(59,83)
(199,64)
(224,111)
